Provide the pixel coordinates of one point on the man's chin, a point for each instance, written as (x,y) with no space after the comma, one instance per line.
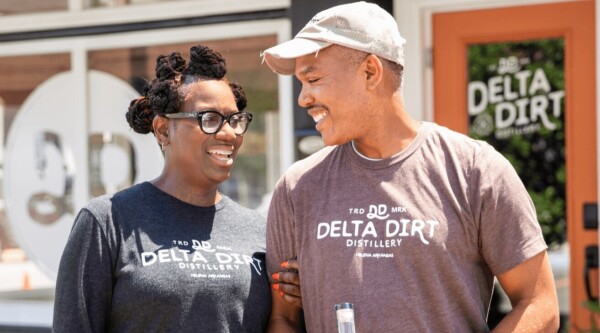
(333,141)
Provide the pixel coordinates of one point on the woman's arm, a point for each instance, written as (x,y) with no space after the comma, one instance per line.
(85,279)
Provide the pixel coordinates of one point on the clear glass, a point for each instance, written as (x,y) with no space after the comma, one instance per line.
(22,282)
(26,292)
(344,313)
(15,7)
(112,3)
(516,98)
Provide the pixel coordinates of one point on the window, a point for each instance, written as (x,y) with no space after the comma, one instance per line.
(253,171)
(20,77)
(12,7)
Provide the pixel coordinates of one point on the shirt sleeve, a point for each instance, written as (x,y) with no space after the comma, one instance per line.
(85,279)
(509,230)
(281,238)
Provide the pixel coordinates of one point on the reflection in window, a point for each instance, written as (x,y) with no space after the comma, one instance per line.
(20,77)
(516,95)
(256,165)
(12,7)
(111,3)
(516,103)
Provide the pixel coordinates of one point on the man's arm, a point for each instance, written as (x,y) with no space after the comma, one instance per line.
(530,288)
(285,317)
(288,282)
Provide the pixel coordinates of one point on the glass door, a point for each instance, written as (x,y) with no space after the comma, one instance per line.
(528,88)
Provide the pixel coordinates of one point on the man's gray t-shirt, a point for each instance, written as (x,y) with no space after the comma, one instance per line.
(144,261)
(413,241)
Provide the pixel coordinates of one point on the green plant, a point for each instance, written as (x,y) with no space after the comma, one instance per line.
(594,309)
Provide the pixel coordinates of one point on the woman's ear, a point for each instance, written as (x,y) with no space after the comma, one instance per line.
(160,126)
(373,70)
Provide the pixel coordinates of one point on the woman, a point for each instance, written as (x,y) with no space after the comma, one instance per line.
(172,254)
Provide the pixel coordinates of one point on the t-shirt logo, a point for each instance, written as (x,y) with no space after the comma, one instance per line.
(203,259)
(376,226)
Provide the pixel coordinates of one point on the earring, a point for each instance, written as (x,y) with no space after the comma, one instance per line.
(162,146)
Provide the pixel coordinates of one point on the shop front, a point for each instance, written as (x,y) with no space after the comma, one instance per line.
(518,74)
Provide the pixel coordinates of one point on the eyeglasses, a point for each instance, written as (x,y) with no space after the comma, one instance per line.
(211,121)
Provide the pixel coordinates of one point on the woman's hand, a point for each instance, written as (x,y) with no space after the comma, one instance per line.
(288,284)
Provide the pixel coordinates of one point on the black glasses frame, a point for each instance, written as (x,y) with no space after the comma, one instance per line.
(199,114)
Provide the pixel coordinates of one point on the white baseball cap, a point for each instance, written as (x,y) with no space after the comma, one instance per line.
(360,25)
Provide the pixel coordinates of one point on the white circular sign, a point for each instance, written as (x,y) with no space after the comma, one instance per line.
(59,156)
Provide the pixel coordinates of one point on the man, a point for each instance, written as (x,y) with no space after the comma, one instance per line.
(407,220)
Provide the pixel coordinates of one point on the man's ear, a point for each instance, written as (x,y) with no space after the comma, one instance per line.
(373,70)
(160,126)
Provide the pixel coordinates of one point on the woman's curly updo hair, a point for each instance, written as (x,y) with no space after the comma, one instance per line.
(164,94)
